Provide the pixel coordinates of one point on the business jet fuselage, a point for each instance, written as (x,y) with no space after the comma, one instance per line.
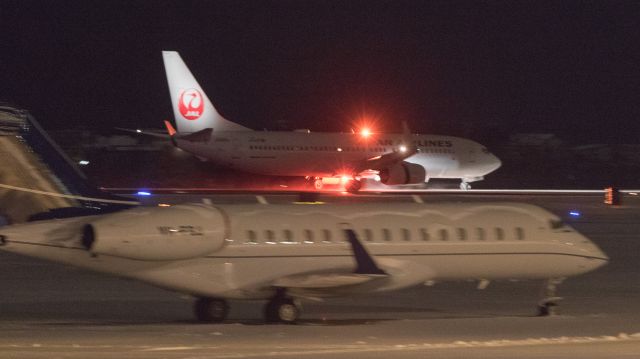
(294,251)
(391,159)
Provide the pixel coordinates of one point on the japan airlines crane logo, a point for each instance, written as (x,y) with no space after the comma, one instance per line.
(191,104)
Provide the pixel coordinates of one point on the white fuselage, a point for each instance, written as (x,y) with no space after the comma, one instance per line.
(338,154)
(268,244)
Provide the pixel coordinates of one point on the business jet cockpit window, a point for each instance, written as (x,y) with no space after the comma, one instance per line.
(558,224)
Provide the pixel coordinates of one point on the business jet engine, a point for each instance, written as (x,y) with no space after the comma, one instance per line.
(157,233)
(403,173)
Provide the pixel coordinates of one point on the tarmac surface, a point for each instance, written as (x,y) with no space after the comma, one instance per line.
(52,311)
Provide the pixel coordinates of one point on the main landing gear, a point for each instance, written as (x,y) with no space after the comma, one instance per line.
(315,183)
(353,185)
(211,310)
(280,309)
(465,186)
(548,305)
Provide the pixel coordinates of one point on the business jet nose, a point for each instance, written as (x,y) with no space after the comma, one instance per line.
(494,162)
(591,252)
(597,253)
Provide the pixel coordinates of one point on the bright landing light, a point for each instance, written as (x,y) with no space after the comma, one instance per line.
(403,148)
(365,132)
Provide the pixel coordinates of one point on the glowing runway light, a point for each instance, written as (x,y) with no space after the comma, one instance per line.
(574,213)
(143,193)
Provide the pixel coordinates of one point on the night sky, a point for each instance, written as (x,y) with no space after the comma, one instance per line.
(479,69)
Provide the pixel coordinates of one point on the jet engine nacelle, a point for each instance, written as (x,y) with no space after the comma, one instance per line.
(403,173)
(157,233)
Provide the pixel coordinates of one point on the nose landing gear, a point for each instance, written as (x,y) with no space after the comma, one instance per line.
(548,305)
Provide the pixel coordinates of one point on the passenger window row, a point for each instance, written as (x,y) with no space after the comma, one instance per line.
(287,236)
(343,149)
(318,148)
(436,150)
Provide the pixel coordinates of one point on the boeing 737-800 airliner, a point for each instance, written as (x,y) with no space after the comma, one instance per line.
(393,159)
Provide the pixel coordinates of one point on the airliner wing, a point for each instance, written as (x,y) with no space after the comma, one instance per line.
(144,132)
(389,159)
(386,160)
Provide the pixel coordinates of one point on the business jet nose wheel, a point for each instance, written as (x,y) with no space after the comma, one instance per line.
(281,310)
(208,310)
(548,305)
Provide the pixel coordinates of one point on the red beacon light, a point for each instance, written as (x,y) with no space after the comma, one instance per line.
(365,132)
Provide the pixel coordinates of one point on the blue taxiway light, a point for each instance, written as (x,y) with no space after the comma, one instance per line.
(575,213)
(143,193)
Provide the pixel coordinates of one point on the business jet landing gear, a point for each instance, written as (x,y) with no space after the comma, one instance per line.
(465,186)
(353,185)
(281,309)
(548,306)
(209,310)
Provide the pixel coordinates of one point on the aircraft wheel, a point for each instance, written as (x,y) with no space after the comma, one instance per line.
(317,184)
(547,309)
(209,310)
(353,186)
(465,186)
(282,310)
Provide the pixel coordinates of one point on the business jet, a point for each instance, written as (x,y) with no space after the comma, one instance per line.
(322,158)
(281,253)
(284,253)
